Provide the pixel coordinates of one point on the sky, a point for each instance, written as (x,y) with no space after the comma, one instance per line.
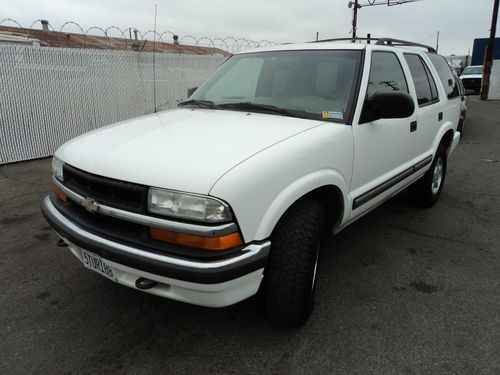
(282,21)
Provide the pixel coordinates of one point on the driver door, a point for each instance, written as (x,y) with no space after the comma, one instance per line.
(382,149)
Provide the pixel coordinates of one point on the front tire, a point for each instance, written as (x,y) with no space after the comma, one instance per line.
(426,191)
(290,275)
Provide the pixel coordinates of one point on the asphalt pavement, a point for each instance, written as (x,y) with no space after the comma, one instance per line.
(402,291)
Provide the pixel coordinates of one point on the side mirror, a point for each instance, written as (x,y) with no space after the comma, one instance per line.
(191,91)
(389,104)
(469,92)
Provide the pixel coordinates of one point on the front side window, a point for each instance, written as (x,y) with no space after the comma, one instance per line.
(445,74)
(309,84)
(386,74)
(425,86)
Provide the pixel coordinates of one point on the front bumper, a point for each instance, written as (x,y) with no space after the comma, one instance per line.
(207,283)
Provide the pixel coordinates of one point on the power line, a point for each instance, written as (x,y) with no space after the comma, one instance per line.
(388,3)
(430,36)
(356,6)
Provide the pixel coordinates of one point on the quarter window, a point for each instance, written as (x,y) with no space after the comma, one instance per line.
(445,75)
(422,79)
(386,74)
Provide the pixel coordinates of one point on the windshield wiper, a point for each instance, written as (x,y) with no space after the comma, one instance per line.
(200,103)
(249,106)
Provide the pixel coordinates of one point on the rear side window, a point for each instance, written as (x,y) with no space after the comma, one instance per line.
(386,74)
(422,79)
(461,89)
(445,74)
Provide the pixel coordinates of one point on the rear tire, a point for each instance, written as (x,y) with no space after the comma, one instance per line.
(426,191)
(290,275)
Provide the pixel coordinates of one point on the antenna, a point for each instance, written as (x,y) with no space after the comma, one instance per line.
(154,62)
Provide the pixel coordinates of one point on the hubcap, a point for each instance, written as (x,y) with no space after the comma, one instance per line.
(437,176)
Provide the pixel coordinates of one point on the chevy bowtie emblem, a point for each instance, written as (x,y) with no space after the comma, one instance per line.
(90,205)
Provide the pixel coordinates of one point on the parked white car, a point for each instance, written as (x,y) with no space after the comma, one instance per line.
(464,104)
(472,77)
(230,193)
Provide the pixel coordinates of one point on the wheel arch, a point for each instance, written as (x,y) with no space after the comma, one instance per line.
(327,187)
(445,137)
(330,196)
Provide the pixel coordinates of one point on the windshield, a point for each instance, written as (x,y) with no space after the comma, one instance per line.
(307,84)
(472,70)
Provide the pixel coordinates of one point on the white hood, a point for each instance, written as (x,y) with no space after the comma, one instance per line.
(182,149)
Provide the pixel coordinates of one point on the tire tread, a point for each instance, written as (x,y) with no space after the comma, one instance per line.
(290,268)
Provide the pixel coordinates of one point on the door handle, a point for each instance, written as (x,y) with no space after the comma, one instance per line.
(413,126)
(440,116)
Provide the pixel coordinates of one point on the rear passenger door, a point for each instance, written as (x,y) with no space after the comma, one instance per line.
(429,113)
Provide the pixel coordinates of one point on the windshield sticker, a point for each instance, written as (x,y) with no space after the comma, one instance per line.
(332,114)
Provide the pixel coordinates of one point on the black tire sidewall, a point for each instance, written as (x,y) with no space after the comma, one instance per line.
(289,276)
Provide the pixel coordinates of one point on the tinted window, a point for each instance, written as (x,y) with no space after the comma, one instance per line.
(461,89)
(386,74)
(434,91)
(422,79)
(445,74)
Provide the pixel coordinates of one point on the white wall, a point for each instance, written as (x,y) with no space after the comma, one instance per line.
(494,93)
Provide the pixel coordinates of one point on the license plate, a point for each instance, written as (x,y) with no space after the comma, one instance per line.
(95,263)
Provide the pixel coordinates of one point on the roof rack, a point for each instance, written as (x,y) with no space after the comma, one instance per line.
(381,42)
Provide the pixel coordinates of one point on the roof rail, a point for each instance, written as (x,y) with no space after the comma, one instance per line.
(398,42)
(381,42)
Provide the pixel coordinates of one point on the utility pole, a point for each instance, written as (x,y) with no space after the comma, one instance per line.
(356,6)
(488,58)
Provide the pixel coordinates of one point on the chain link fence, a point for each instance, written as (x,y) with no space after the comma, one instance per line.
(50,95)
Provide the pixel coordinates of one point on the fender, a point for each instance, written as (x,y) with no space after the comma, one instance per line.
(295,191)
(448,125)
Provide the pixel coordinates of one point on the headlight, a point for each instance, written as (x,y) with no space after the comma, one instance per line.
(57,168)
(187,206)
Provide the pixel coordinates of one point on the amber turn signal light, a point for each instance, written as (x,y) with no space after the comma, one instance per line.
(60,195)
(207,243)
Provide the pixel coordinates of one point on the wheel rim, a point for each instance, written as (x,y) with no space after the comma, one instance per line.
(437,176)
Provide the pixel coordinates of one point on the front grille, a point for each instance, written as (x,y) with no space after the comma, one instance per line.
(132,234)
(120,194)
(471,80)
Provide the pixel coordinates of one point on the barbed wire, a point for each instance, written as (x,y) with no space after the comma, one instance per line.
(229,44)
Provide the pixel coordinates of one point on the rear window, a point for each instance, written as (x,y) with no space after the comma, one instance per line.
(445,75)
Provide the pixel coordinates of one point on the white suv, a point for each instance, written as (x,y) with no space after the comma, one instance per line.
(229,194)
